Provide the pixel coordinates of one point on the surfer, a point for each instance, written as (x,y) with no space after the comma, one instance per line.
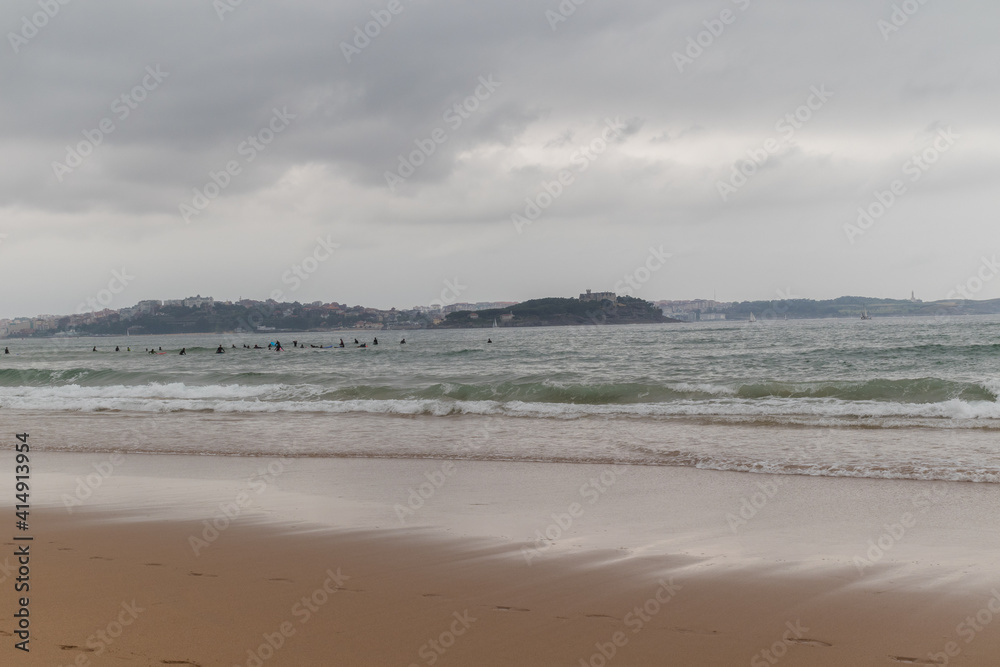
(220,350)
(277,346)
(375,342)
(402,342)
(295,343)
(117,349)
(342,342)
(6,350)
(95,349)
(489,340)
(257,347)
(183,350)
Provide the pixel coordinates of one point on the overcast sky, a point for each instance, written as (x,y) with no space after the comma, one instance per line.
(644,124)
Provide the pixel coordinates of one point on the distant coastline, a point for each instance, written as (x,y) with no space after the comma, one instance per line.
(200,315)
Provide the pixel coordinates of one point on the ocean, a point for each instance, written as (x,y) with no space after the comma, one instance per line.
(907,398)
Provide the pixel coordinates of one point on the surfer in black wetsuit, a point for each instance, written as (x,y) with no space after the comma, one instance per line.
(277,346)
(342,343)
(95,349)
(402,342)
(220,350)
(375,342)
(257,347)
(183,350)
(117,349)
(6,350)
(489,340)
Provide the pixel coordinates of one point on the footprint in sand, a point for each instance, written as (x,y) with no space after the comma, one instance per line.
(201,574)
(912,661)
(810,642)
(179,662)
(498,608)
(693,631)
(72,647)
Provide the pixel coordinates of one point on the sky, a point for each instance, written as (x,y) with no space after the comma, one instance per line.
(394,153)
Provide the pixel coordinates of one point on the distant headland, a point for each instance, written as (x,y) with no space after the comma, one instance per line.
(206,315)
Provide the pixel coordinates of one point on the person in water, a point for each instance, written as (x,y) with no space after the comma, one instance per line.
(183,350)
(402,342)
(257,347)
(342,343)
(375,342)
(489,340)
(6,350)
(356,341)
(295,343)
(277,346)
(220,350)
(117,349)
(95,349)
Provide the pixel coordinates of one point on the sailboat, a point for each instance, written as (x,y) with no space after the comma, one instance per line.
(495,323)
(752,318)
(864,314)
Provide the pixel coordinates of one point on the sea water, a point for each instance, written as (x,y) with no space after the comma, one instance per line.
(909,398)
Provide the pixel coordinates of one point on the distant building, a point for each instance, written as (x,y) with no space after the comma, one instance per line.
(598,296)
(506,317)
(198,301)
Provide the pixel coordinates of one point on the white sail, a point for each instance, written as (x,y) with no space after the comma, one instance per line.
(752,318)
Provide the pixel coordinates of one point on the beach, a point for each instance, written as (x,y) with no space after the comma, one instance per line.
(214,560)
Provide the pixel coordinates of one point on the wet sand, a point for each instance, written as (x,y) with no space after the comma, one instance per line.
(334,562)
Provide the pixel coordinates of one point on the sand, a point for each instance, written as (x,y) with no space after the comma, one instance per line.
(334,562)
